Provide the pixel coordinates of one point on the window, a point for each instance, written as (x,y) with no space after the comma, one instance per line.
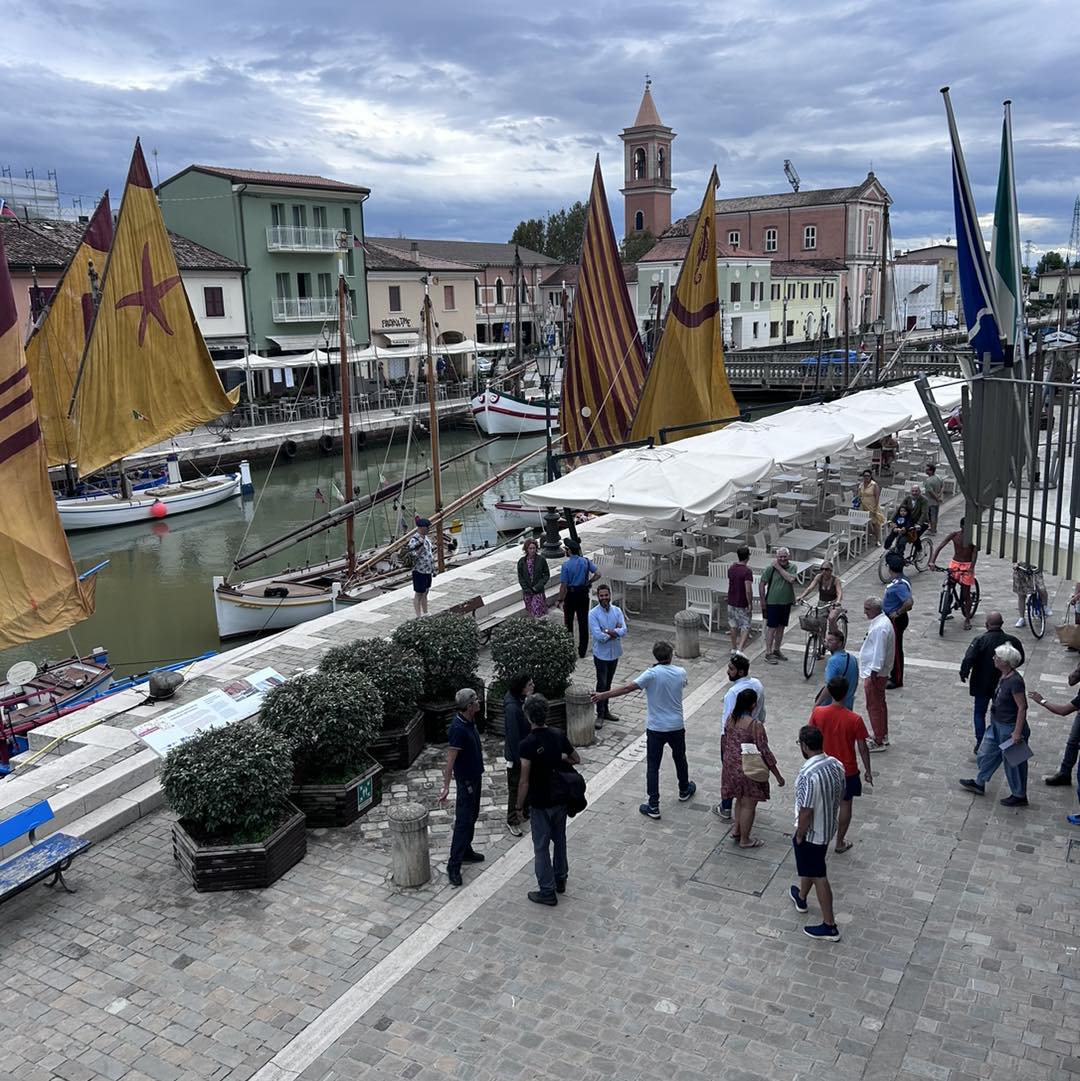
(809,237)
(804,291)
(303,285)
(351,301)
(661,162)
(946,277)
(500,297)
(830,289)
(639,163)
(639,221)
(214,300)
(757,290)
(346,219)
(318,216)
(774,291)
(277,215)
(791,291)
(395,298)
(326,285)
(476,291)
(817,290)
(870,235)
(774,329)
(350,267)
(754,331)
(656,294)
(299,216)
(283,284)
(733,238)
(789,328)
(448,297)
(770,240)
(736,292)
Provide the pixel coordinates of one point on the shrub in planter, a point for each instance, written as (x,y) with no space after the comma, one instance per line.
(398,674)
(328,720)
(537,646)
(448,645)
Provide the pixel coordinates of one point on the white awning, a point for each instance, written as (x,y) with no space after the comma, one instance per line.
(398,337)
(297,341)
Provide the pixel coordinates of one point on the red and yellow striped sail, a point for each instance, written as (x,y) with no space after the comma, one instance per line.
(146,374)
(687,382)
(40,592)
(605,366)
(56,346)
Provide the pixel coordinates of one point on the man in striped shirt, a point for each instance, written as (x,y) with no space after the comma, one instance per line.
(819,788)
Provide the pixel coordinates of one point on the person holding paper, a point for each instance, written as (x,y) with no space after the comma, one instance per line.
(1005,741)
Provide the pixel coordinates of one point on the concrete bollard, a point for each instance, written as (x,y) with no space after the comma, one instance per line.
(687,634)
(580,718)
(410,847)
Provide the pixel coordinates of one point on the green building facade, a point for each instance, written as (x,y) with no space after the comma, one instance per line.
(287,230)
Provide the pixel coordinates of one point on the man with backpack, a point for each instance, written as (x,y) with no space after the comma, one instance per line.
(544,753)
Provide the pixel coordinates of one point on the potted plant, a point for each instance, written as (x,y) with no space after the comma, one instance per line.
(541,648)
(236,828)
(448,645)
(329,721)
(398,675)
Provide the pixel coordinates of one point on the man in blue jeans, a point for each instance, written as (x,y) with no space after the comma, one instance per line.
(1072,745)
(542,751)
(663,685)
(607,628)
(978,672)
(465,761)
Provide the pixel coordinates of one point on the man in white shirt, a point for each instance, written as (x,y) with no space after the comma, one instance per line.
(738,671)
(875,663)
(607,628)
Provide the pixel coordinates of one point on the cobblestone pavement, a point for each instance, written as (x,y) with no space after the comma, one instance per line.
(671,955)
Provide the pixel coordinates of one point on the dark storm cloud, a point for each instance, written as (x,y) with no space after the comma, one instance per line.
(465,118)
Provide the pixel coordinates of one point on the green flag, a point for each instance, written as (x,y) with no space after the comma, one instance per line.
(1005,245)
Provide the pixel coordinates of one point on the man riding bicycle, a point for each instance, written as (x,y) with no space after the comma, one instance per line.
(961,567)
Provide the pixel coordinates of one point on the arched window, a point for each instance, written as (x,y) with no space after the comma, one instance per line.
(639,221)
(476,290)
(661,162)
(639,164)
(499,298)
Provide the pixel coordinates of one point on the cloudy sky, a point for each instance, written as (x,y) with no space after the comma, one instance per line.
(464,118)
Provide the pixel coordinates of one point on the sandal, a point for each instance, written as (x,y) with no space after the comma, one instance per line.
(845,846)
(756,843)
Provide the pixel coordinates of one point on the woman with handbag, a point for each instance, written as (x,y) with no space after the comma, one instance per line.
(747,763)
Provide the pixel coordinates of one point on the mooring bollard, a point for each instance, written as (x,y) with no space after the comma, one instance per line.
(410,847)
(580,718)
(687,634)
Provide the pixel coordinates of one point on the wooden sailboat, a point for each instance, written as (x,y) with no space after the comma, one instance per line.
(145,373)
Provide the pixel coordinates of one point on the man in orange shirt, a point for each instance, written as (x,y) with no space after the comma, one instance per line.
(843,731)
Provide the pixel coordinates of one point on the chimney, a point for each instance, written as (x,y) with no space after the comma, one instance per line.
(414,251)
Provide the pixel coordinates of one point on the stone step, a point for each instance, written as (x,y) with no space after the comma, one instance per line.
(119,812)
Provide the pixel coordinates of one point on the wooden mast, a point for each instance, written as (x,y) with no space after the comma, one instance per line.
(346,410)
(433,420)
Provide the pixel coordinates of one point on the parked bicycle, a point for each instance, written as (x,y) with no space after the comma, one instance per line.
(1028,580)
(222,426)
(950,599)
(916,557)
(817,621)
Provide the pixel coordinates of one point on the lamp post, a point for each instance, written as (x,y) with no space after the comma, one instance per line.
(546,363)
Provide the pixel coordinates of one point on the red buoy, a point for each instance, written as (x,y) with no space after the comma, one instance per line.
(158,509)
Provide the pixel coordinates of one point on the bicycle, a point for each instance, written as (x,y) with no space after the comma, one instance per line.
(222,426)
(816,622)
(917,559)
(949,601)
(1030,578)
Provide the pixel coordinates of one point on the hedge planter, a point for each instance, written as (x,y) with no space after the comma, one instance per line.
(340,804)
(398,748)
(243,866)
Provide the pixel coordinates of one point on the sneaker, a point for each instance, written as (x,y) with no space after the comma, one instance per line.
(770,658)
(971,785)
(598,723)
(1020,622)
(539,898)
(1073,820)
(873,746)
(1014,801)
(691,788)
(649,811)
(721,811)
(781,656)
(1048,611)
(514,829)
(829,932)
(797,901)
(1056,779)
(611,717)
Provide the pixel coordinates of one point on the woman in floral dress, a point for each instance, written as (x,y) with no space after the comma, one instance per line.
(742,728)
(533,576)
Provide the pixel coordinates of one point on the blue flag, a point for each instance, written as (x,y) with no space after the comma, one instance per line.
(973,267)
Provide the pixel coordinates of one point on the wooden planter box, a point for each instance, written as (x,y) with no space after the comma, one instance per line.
(340,804)
(241,867)
(398,748)
(496,721)
(438,715)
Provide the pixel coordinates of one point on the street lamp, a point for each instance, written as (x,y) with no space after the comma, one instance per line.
(547,363)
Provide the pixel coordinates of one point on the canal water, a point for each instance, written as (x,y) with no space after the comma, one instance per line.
(154,602)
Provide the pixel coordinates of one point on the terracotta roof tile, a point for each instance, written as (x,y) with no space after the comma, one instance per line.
(474,252)
(285,180)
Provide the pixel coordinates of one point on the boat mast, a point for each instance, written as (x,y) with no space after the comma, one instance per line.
(433,420)
(346,407)
(517,320)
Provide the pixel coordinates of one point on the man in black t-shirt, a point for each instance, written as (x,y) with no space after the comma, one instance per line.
(542,751)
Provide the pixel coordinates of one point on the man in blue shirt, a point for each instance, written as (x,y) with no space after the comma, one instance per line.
(465,761)
(663,686)
(896,602)
(842,665)
(606,629)
(575,577)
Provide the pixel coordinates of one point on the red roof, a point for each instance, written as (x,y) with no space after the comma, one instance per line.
(673,248)
(286,180)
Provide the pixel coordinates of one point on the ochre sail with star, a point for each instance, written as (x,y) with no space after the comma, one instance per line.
(687,381)
(146,374)
(40,592)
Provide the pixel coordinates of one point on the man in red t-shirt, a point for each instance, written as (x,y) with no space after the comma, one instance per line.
(740,600)
(843,731)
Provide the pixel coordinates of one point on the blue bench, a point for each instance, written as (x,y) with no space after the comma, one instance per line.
(52,856)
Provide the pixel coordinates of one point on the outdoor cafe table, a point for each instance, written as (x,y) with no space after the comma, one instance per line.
(657,549)
(799,499)
(724,532)
(804,540)
(623,576)
(787,478)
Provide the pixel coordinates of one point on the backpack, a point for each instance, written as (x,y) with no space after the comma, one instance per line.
(568,788)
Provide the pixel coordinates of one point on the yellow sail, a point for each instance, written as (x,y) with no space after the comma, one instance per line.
(40,592)
(146,374)
(687,382)
(57,344)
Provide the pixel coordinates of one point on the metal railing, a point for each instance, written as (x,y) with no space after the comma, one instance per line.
(305,309)
(300,238)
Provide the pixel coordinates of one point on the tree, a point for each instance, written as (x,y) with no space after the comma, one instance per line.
(636,245)
(564,233)
(1050,261)
(529,234)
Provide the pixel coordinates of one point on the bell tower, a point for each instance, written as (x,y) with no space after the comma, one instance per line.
(647,169)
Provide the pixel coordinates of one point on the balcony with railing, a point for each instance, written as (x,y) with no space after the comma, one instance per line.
(306,309)
(301,238)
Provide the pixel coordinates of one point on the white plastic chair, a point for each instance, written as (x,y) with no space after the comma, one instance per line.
(859,528)
(691,548)
(700,600)
(645,564)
